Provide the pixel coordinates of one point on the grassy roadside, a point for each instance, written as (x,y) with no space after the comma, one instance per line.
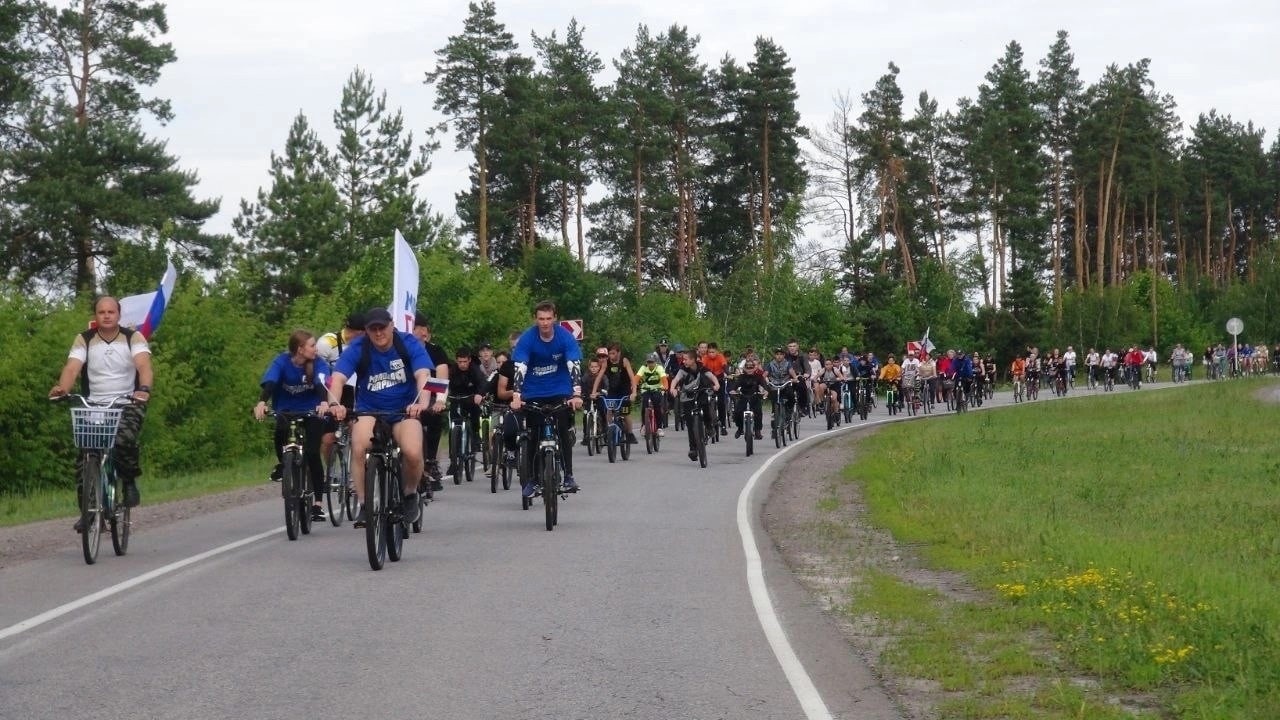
(1129,546)
(52,504)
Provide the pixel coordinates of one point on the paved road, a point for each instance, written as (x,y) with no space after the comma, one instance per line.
(637,606)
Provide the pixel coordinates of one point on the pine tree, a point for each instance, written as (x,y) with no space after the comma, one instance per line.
(1058,91)
(469,80)
(87,182)
(375,169)
(294,232)
(575,109)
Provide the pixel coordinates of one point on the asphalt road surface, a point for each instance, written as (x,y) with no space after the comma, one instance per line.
(648,601)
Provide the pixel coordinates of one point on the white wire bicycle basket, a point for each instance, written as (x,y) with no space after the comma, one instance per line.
(94,428)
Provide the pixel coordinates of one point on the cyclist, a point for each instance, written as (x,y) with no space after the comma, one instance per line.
(1018,370)
(944,371)
(485,359)
(652,382)
(891,375)
(468,381)
(548,369)
(715,361)
(1108,362)
(691,380)
(329,348)
(1070,357)
(780,370)
(910,371)
(112,361)
(1149,357)
(962,373)
(392,368)
(294,382)
(432,422)
(1032,372)
(1092,362)
(618,380)
(801,366)
(1133,365)
(929,375)
(1180,359)
(751,389)
(866,374)
(829,379)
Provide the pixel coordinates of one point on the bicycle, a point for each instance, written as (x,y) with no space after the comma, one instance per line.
(748,420)
(592,429)
(294,486)
(546,463)
(831,406)
(698,424)
(339,495)
(1033,386)
(864,397)
(891,397)
(499,469)
(652,440)
(462,457)
(615,437)
(93,428)
(780,420)
(1019,389)
(385,529)
(1108,379)
(846,400)
(484,431)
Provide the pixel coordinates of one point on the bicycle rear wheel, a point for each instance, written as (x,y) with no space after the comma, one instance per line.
(91,506)
(290,480)
(375,538)
(468,456)
(624,445)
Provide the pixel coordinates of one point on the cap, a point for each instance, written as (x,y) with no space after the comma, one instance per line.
(679,347)
(653,357)
(421,320)
(485,346)
(377,316)
(355,321)
(663,341)
(777,350)
(602,351)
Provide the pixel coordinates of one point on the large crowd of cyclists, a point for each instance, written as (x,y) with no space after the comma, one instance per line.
(372,399)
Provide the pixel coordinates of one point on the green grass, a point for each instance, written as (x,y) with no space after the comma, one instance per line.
(51,504)
(1140,529)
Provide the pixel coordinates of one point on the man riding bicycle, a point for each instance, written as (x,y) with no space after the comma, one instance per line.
(112,361)
(691,380)
(392,369)
(548,365)
(751,389)
(468,384)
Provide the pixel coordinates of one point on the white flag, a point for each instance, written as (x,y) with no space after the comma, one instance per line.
(404,286)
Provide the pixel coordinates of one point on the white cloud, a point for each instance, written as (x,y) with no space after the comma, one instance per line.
(245,68)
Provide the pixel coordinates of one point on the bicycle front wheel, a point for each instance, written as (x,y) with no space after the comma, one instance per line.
(698,428)
(375,538)
(396,529)
(749,432)
(335,482)
(550,489)
(91,506)
(290,480)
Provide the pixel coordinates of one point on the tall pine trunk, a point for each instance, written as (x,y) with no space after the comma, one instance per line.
(766,220)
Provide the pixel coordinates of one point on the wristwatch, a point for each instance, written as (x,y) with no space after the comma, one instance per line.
(144,388)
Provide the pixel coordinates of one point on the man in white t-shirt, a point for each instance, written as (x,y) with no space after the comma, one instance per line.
(112,361)
(1069,357)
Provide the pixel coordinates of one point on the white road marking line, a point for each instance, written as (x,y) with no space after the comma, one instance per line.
(74,605)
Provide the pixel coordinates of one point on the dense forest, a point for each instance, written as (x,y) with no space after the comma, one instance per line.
(1045,208)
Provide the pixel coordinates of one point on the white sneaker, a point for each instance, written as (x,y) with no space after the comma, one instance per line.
(662,433)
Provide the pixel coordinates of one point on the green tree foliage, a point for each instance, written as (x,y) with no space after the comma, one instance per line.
(294,233)
(85,179)
(375,168)
(469,78)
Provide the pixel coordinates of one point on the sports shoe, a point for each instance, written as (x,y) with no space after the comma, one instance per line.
(131,496)
(737,433)
(509,456)
(631,439)
(433,469)
(411,508)
(277,473)
(759,436)
(724,430)
(362,519)
(662,432)
(568,485)
(318,513)
(436,485)
(449,472)
(79,526)
(693,454)
(529,490)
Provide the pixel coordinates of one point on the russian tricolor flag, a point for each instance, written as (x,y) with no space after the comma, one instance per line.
(143,312)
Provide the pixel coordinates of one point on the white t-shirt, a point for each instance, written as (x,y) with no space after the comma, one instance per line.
(1070,357)
(1092,359)
(327,348)
(111,371)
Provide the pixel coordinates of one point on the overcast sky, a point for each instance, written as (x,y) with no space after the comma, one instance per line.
(246,67)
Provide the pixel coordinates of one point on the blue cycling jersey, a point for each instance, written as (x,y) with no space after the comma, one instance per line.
(294,391)
(546,367)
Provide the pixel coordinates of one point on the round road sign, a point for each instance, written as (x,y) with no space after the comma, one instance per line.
(1235,326)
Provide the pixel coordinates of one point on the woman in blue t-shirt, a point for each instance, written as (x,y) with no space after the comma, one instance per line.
(296,382)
